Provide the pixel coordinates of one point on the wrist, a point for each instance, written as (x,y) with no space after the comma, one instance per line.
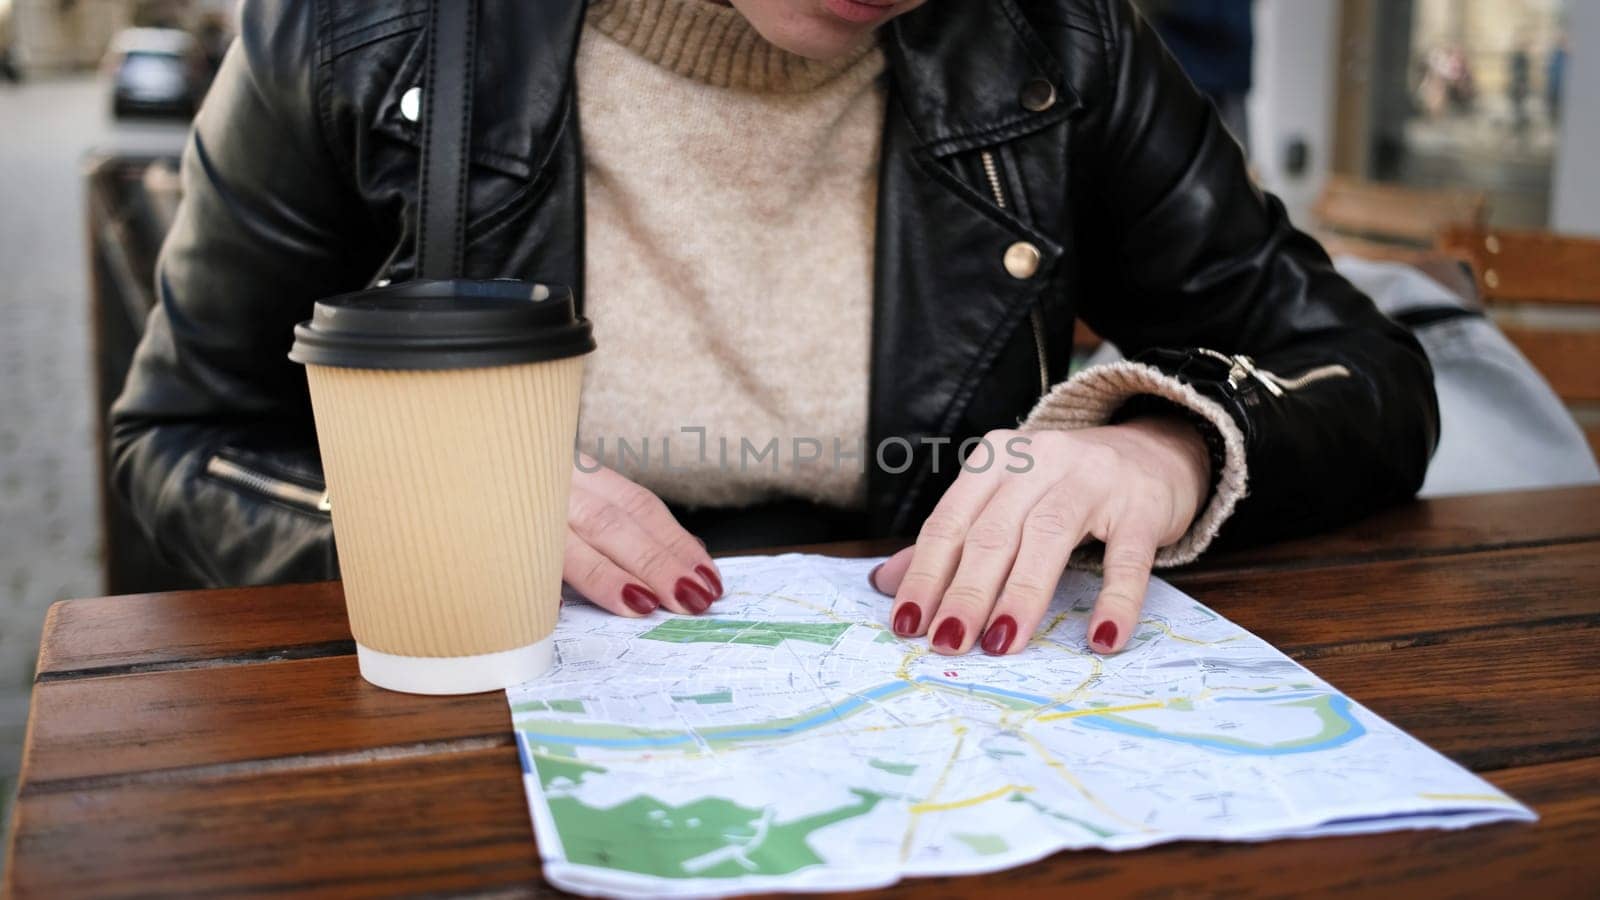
(1181,445)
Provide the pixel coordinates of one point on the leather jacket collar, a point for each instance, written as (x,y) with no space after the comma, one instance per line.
(994,52)
(967,65)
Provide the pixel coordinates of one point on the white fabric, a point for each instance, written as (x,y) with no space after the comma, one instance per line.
(1501,426)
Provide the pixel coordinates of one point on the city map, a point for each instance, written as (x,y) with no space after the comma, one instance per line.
(788,740)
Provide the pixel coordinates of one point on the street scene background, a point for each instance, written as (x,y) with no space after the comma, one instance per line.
(49,525)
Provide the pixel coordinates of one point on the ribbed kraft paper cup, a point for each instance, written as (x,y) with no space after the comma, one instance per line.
(448,463)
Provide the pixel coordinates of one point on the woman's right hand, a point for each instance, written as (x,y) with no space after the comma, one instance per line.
(627,554)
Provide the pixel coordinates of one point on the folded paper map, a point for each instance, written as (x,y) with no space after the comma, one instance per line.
(789,741)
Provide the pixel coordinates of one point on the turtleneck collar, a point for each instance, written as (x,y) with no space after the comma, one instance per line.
(713,44)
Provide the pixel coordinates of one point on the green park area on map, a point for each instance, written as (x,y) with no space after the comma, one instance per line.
(710,837)
(892,768)
(564,706)
(731,631)
(723,696)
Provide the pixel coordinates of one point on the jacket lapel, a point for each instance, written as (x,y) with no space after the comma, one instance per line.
(946,308)
(963,66)
(524,70)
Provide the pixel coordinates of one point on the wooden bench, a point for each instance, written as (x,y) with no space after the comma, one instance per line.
(1375,215)
(1543,290)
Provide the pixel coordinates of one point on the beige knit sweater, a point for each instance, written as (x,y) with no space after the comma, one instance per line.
(731,202)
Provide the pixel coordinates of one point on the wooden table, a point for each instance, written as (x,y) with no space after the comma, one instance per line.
(221,741)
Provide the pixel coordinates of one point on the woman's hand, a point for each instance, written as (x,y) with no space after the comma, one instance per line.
(625,551)
(987,560)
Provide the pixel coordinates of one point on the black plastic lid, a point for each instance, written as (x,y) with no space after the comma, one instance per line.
(456,324)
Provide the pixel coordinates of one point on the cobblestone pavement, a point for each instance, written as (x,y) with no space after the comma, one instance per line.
(49,540)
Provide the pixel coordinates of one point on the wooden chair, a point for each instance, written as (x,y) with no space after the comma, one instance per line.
(1543,290)
(1345,245)
(1394,214)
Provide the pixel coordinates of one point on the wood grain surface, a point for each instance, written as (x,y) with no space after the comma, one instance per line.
(457,824)
(194,628)
(221,742)
(1529,266)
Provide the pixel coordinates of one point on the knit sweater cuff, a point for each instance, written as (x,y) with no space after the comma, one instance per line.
(1092,398)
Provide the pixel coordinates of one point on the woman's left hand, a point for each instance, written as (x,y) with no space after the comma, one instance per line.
(987,560)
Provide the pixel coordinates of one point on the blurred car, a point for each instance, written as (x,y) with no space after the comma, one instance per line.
(9,68)
(155,72)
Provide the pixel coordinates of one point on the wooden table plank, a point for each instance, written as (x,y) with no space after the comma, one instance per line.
(119,634)
(103,727)
(444,822)
(1491,703)
(1528,698)
(458,822)
(1315,612)
(1442,525)
(114,634)
(1343,620)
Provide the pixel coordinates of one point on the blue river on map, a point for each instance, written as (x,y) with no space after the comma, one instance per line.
(1338,704)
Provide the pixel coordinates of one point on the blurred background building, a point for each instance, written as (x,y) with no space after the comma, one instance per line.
(1467,94)
(54,36)
(1460,92)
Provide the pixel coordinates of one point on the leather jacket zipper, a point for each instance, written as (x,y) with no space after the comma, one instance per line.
(1241,367)
(1310,376)
(230,472)
(991,171)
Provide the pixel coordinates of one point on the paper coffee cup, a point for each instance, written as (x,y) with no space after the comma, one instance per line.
(446,413)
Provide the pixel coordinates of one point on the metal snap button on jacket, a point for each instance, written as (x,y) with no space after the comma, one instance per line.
(411,104)
(1038,95)
(1022,260)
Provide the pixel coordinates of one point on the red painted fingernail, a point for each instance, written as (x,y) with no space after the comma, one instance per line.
(692,595)
(872,577)
(906,619)
(997,637)
(639,599)
(711,579)
(950,634)
(1106,634)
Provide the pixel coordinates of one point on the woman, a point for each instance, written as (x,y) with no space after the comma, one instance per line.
(858,227)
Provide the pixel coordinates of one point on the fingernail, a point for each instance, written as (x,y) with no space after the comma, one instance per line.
(950,634)
(906,619)
(1106,635)
(997,637)
(872,577)
(639,599)
(712,581)
(692,595)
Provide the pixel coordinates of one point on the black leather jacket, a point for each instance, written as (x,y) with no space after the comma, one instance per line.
(300,183)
